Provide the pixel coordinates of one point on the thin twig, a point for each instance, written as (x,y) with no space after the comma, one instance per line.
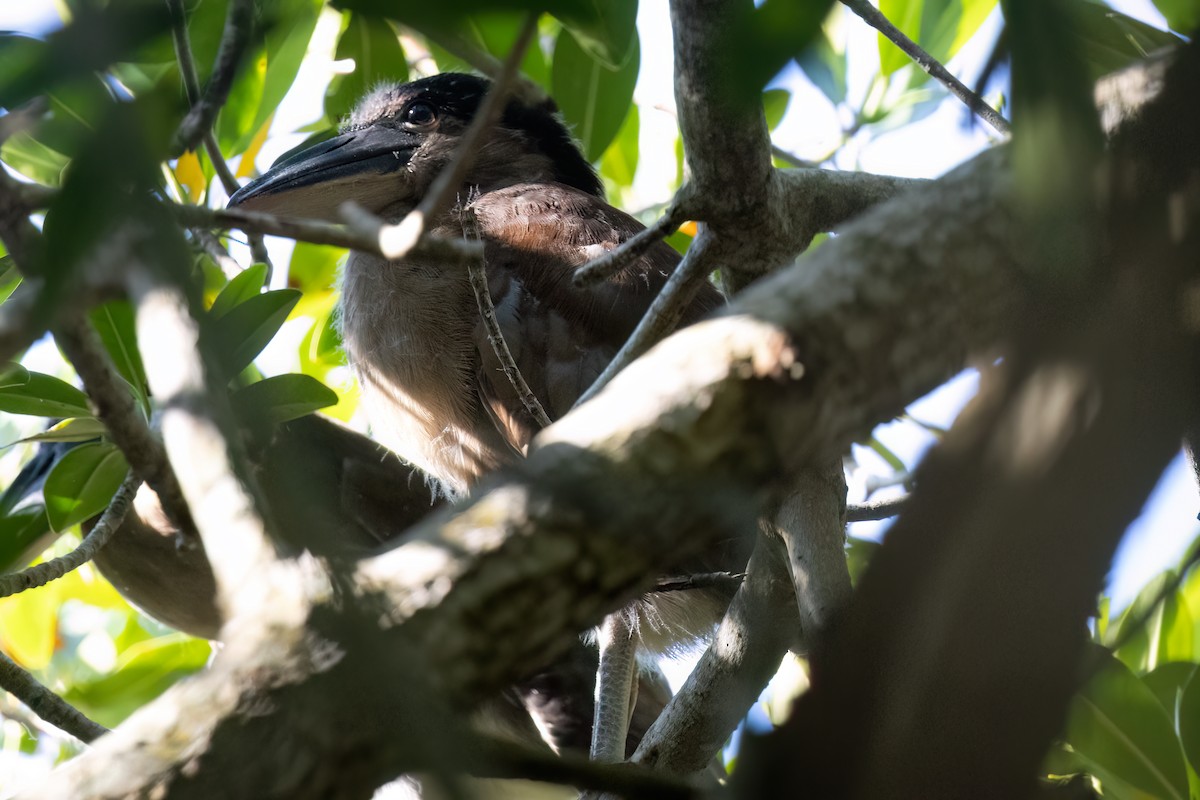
(239,23)
(477,272)
(45,703)
(217,252)
(363,231)
(528,91)
(873,17)
(110,520)
(395,241)
(605,266)
(116,408)
(879,509)
(664,313)
(702,580)
(196,127)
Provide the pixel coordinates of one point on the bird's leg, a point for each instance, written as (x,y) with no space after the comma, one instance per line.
(616,685)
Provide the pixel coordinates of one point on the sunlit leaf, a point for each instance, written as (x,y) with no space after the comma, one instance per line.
(592,97)
(76,429)
(44,396)
(620,160)
(245,330)
(191,176)
(12,376)
(143,672)
(940,27)
(246,165)
(1117,725)
(1167,681)
(23,534)
(775,104)
(607,30)
(1109,40)
(246,284)
(313,267)
(282,398)
(29,621)
(83,483)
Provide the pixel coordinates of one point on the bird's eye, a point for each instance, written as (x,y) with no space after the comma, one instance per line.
(419,115)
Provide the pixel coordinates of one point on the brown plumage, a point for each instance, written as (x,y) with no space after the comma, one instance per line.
(432,386)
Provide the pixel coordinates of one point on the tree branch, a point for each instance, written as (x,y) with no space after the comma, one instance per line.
(873,17)
(45,703)
(98,536)
(116,408)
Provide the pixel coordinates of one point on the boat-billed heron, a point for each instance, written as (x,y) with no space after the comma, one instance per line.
(432,386)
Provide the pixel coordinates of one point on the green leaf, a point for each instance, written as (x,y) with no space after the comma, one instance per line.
(375,48)
(12,376)
(941,27)
(82,483)
(1109,40)
(10,277)
(33,159)
(282,398)
(1182,15)
(313,267)
(859,553)
(21,536)
(1166,634)
(241,334)
(114,321)
(75,429)
(1117,725)
(246,284)
(775,103)
(887,455)
(44,396)
(268,75)
(1167,681)
(144,671)
(497,33)
(620,160)
(606,30)
(826,67)
(1188,717)
(592,97)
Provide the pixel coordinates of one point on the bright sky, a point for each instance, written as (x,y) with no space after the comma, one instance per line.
(924,149)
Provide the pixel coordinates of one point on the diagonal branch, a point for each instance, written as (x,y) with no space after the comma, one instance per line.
(98,536)
(45,703)
(873,17)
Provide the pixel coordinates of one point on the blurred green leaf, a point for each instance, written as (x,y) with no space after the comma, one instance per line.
(144,671)
(114,322)
(620,160)
(44,396)
(83,483)
(1167,681)
(282,398)
(1109,40)
(245,330)
(378,57)
(859,553)
(1156,627)
(606,30)
(1182,15)
(894,461)
(497,33)
(313,267)
(33,159)
(1188,716)
(1119,728)
(825,67)
(10,276)
(765,39)
(775,104)
(246,284)
(593,98)
(13,375)
(95,39)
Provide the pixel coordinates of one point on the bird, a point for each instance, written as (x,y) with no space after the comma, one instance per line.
(432,386)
